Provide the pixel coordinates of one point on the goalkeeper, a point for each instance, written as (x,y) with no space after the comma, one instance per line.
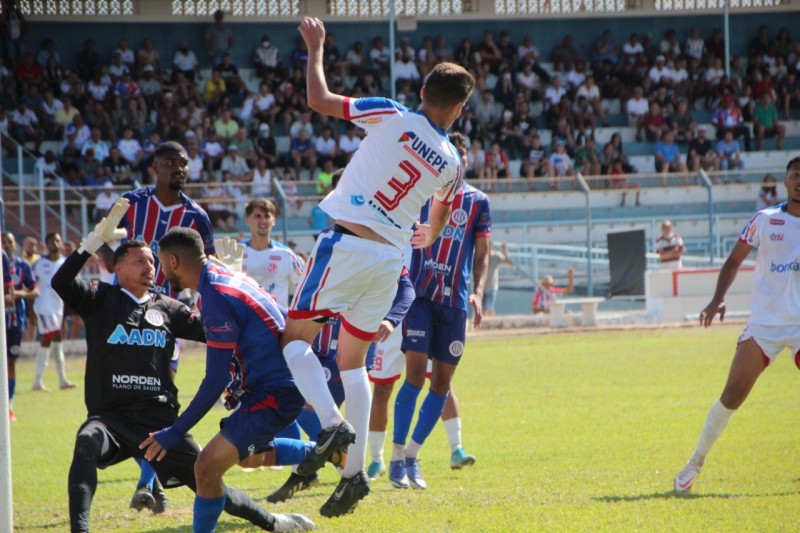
(129,392)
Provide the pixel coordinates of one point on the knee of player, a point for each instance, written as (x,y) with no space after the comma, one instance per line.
(382,393)
(205,467)
(86,446)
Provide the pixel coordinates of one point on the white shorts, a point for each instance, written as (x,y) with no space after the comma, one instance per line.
(390,360)
(50,323)
(773,339)
(351,277)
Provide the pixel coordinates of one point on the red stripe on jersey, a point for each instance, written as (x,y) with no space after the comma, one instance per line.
(358,333)
(305,315)
(175,218)
(150,220)
(221,345)
(302,283)
(131,222)
(269,403)
(346,104)
(384,381)
(253,304)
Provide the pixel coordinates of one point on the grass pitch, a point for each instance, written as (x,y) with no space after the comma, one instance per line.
(573,432)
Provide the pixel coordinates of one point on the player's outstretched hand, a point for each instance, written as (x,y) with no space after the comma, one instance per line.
(229,253)
(707,314)
(422,236)
(313,31)
(476,301)
(384,331)
(152,449)
(106,231)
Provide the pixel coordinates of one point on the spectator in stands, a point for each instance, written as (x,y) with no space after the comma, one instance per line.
(765,122)
(218,38)
(682,123)
(548,291)
(214,91)
(218,207)
(28,72)
(509,135)
(701,152)
(407,95)
(583,115)
(131,116)
(476,161)
(117,68)
(87,165)
(605,50)
(489,53)
(694,47)
(768,194)
(669,45)
(88,61)
(619,181)
(168,118)
(24,125)
(97,117)
(303,122)
(528,82)
(246,146)
(710,86)
(48,108)
(48,52)
(348,144)
(237,174)
(325,147)
(104,201)
(759,45)
(668,155)
(324,178)
(679,79)
(562,132)
(185,62)
(213,150)
(97,88)
(48,168)
(637,107)
(653,124)
(561,163)
(76,134)
(69,167)
(5,139)
(715,46)
(660,71)
(729,152)
(118,168)
(130,148)
(318,220)
(379,56)
(406,69)
(496,165)
(230,74)
(262,179)
(631,49)
(527,52)
(789,91)
(589,90)
(302,154)
(265,145)
(508,51)
(670,247)
(443,51)
(564,54)
(196,164)
(267,59)
(12,23)
(465,54)
(587,160)
(556,103)
(355,62)
(149,86)
(148,56)
(729,118)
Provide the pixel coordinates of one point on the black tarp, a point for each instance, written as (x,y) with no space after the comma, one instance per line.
(627,262)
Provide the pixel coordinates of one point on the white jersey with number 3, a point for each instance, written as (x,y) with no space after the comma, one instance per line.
(404,160)
(776,284)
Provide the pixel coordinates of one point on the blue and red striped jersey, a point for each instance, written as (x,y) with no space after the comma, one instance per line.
(148,220)
(23,278)
(241,316)
(8,281)
(442,272)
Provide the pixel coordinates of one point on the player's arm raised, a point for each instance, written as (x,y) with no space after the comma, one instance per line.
(320,99)
(726,276)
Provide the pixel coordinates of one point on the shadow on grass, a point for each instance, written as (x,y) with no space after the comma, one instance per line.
(672,495)
(222,525)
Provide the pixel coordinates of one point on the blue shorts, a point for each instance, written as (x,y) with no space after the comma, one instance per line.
(435,330)
(333,378)
(13,337)
(261,415)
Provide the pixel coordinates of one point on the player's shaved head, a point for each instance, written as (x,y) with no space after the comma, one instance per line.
(169,148)
(448,84)
(184,243)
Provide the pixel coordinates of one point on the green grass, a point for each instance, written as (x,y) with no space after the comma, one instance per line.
(573,432)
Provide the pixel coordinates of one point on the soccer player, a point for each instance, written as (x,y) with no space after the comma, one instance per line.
(243,325)
(16,314)
(8,300)
(49,311)
(435,326)
(153,212)
(774,314)
(405,159)
(156,210)
(130,337)
(271,263)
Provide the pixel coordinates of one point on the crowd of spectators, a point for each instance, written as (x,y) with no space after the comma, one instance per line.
(112,109)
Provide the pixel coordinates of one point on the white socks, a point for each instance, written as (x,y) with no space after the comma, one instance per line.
(310,381)
(453,429)
(57,351)
(376,441)
(718,417)
(412,450)
(42,360)
(358,398)
(398,452)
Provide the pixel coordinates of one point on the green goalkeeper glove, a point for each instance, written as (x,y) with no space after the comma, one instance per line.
(106,231)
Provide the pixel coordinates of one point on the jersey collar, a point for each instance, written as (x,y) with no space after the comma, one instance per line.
(439,130)
(141,300)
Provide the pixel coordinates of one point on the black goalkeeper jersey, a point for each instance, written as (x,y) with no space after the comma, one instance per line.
(129,342)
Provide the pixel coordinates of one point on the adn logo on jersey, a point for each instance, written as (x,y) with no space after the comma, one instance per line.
(449,232)
(138,337)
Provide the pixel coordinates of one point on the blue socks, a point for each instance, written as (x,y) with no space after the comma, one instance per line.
(309,421)
(429,414)
(292,431)
(147,474)
(12,384)
(404,407)
(206,513)
(290,451)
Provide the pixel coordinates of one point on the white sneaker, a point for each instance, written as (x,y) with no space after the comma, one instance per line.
(685,478)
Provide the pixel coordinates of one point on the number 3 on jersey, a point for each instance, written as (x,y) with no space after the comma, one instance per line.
(401,189)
